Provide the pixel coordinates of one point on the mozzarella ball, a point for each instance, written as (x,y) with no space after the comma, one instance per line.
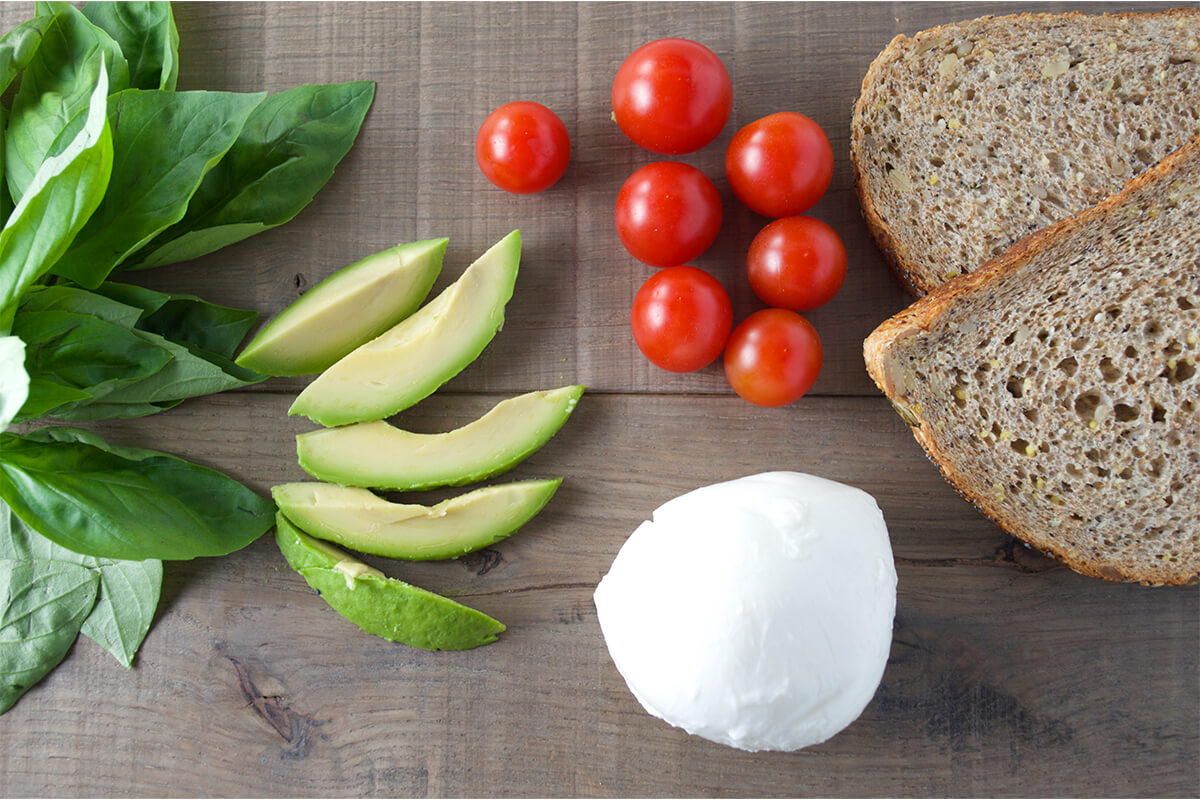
(756,613)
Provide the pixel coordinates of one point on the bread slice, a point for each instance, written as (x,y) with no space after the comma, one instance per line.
(1056,386)
(968,137)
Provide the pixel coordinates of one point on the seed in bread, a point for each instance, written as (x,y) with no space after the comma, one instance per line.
(968,137)
(1056,387)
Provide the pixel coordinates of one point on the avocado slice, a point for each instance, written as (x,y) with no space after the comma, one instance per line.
(386,607)
(350,307)
(381,456)
(360,520)
(412,359)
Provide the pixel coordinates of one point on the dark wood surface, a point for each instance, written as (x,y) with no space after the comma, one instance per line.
(1009,675)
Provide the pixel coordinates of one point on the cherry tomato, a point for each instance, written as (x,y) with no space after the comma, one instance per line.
(773,357)
(523,147)
(672,96)
(668,213)
(779,165)
(681,318)
(797,263)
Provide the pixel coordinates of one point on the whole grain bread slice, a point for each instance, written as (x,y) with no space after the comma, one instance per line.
(1056,386)
(968,137)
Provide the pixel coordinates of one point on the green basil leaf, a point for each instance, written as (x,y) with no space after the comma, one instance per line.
(42,606)
(91,410)
(286,152)
(163,144)
(47,395)
(18,46)
(63,194)
(190,373)
(62,297)
(148,37)
(55,88)
(83,353)
(185,318)
(125,503)
(129,590)
(6,203)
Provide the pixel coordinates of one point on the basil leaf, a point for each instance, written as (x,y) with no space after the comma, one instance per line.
(90,410)
(125,503)
(18,46)
(190,373)
(42,606)
(185,318)
(148,38)
(129,590)
(163,144)
(55,88)
(62,297)
(63,194)
(83,353)
(91,356)
(285,153)
(6,203)
(129,593)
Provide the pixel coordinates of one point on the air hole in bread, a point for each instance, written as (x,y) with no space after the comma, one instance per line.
(1030,414)
(1182,371)
(1109,370)
(1015,386)
(1144,156)
(1155,467)
(1131,352)
(1068,365)
(1152,329)
(1086,405)
(1125,413)
(1158,413)
(1185,303)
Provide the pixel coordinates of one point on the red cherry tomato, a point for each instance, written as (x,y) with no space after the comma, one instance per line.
(668,213)
(779,165)
(797,263)
(773,357)
(672,96)
(523,147)
(681,319)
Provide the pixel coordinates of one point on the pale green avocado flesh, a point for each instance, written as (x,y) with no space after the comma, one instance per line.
(382,456)
(392,609)
(349,308)
(411,360)
(362,521)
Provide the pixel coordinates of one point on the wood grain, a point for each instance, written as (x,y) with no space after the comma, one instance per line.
(1009,675)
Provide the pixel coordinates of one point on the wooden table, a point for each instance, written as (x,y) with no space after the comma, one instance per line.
(1009,675)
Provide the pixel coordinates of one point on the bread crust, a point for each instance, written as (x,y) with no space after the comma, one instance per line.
(903,266)
(924,313)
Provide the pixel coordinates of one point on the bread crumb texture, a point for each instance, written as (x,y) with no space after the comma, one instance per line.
(968,137)
(1058,388)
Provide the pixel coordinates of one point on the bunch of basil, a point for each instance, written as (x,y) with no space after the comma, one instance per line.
(106,167)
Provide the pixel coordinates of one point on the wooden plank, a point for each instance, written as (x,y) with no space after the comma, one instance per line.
(1008,675)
